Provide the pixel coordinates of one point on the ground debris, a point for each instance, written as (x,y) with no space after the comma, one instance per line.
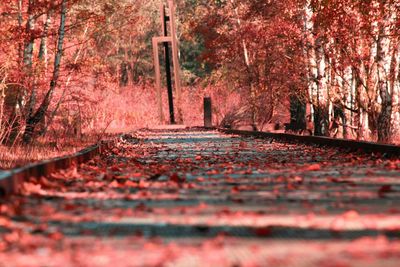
(201,198)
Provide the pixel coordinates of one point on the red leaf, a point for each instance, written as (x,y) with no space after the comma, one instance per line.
(313,167)
(176,178)
(290,186)
(242,144)
(115,168)
(56,236)
(298,179)
(114,184)
(384,190)
(200,179)
(130,184)
(263,231)
(143,184)
(235,190)
(392,166)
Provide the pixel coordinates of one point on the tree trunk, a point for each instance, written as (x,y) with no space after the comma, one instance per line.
(78,54)
(28,46)
(313,71)
(396,93)
(28,60)
(321,117)
(124,74)
(249,83)
(43,41)
(15,94)
(297,114)
(348,96)
(384,63)
(34,119)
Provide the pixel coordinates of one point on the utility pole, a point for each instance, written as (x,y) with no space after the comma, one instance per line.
(166,39)
(164,21)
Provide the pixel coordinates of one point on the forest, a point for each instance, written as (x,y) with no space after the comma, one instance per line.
(284,149)
(73,67)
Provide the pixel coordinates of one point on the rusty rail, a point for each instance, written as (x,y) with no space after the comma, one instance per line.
(351,145)
(11,180)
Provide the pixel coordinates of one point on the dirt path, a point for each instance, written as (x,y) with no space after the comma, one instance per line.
(201,198)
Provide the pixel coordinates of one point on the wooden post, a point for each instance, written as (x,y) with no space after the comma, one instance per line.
(207,112)
(165,39)
(175,56)
(168,75)
(158,80)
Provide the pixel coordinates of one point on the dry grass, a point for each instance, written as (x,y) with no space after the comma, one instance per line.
(18,155)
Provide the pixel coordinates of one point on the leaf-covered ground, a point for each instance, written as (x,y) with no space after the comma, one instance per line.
(201,198)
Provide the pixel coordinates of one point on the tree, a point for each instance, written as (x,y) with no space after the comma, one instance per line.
(254,45)
(34,118)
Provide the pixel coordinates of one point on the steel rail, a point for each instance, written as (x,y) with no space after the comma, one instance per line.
(12,180)
(351,145)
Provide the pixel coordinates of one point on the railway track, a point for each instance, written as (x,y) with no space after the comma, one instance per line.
(206,198)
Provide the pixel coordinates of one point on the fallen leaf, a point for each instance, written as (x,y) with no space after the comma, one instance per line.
(176,178)
(385,189)
(263,231)
(313,167)
(242,144)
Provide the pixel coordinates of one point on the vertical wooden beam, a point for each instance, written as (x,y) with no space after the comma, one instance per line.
(175,56)
(167,65)
(158,80)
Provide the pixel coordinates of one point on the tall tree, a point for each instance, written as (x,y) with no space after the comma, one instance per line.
(33,119)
